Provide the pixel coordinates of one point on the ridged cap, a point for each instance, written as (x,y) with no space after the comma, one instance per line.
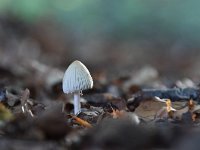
(76,78)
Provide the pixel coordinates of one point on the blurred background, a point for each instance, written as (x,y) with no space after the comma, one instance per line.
(114,36)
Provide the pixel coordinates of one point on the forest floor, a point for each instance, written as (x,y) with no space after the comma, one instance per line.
(137,109)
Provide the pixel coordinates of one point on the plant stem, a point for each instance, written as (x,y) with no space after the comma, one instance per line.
(77,104)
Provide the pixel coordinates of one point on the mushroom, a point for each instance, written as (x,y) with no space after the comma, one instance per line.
(76,78)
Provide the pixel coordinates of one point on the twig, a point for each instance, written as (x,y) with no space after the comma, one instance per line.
(82,122)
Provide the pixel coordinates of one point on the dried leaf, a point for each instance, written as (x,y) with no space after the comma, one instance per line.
(147,110)
(121,114)
(190,108)
(117,113)
(5,113)
(167,111)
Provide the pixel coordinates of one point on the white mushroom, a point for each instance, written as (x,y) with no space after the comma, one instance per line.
(76,78)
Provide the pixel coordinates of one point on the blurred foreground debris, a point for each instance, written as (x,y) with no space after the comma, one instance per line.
(51,124)
(122,134)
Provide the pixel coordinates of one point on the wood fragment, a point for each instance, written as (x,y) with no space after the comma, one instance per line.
(81,121)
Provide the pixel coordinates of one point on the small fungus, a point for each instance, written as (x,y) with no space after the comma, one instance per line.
(77,78)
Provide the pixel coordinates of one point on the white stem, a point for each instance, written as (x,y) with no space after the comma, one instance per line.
(77,104)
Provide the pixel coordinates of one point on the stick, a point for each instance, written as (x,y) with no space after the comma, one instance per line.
(82,122)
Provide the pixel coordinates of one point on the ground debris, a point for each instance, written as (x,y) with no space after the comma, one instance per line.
(50,125)
(175,94)
(105,99)
(28,105)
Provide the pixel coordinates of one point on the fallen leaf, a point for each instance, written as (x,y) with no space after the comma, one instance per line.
(148,109)
(121,114)
(5,113)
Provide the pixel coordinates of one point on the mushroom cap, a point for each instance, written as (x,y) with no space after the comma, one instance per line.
(76,78)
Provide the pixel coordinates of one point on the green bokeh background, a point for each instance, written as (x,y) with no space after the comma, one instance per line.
(169,19)
(123,34)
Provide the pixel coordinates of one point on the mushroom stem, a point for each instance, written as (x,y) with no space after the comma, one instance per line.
(77,104)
